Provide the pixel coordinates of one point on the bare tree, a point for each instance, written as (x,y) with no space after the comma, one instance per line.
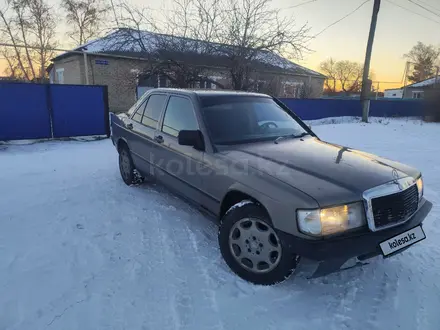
(29,25)
(176,49)
(13,69)
(241,35)
(21,21)
(349,75)
(85,18)
(344,75)
(253,31)
(42,26)
(328,67)
(9,34)
(424,58)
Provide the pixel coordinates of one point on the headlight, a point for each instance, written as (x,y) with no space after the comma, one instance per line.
(420,187)
(332,220)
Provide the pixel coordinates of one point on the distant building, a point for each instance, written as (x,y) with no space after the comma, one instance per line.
(413,91)
(119,61)
(10,79)
(396,93)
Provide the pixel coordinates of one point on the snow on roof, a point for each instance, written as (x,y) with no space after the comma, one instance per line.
(427,82)
(131,41)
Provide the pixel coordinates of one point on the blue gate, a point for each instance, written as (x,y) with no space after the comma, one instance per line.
(38,111)
(79,110)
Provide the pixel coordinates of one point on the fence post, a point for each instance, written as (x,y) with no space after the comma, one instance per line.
(106,110)
(50,108)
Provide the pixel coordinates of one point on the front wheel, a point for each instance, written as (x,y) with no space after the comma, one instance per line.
(251,247)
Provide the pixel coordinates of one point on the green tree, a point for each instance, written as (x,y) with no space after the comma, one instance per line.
(423,57)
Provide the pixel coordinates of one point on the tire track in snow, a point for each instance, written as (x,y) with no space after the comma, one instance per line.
(211,293)
(163,280)
(193,311)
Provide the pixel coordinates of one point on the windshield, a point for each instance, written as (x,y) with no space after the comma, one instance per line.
(243,119)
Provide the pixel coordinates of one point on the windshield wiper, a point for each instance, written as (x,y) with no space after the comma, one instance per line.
(278,139)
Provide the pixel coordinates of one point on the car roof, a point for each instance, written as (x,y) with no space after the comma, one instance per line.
(208,92)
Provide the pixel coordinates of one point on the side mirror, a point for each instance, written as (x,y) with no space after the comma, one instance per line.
(191,138)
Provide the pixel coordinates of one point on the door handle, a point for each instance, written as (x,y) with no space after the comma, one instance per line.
(158,138)
(129,126)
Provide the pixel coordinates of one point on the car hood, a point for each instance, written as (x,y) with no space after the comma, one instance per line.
(329,173)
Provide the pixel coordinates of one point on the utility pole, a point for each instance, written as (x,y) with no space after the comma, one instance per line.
(365,81)
(407,67)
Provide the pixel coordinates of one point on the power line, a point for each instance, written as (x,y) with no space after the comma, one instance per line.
(300,4)
(428,10)
(413,12)
(429,5)
(341,19)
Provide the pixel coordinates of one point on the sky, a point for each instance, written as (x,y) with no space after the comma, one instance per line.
(397,31)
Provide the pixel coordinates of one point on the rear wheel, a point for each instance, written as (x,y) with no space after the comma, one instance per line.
(252,248)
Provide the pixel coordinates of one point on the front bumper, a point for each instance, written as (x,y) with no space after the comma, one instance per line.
(332,253)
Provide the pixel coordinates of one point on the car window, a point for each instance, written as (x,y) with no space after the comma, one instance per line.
(153,110)
(136,106)
(241,119)
(179,115)
(139,112)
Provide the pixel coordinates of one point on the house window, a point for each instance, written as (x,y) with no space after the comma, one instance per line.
(292,89)
(162,81)
(417,95)
(394,94)
(60,75)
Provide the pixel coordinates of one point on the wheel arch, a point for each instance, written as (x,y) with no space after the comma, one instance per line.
(237,194)
(121,143)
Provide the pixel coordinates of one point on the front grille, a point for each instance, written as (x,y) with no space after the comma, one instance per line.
(392,209)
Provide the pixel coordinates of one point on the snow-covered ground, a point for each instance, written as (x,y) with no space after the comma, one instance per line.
(80,250)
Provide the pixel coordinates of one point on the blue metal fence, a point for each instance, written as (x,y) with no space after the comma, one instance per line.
(36,111)
(396,108)
(310,109)
(24,112)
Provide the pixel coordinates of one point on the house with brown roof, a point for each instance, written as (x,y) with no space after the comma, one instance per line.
(127,61)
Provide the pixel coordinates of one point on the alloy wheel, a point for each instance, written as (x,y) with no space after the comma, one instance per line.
(255,245)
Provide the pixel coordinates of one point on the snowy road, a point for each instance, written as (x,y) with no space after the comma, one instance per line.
(80,250)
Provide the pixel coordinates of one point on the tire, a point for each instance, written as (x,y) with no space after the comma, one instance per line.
(126,167)
(246,232)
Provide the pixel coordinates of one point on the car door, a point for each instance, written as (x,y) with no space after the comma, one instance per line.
(144,125)
(178,165)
